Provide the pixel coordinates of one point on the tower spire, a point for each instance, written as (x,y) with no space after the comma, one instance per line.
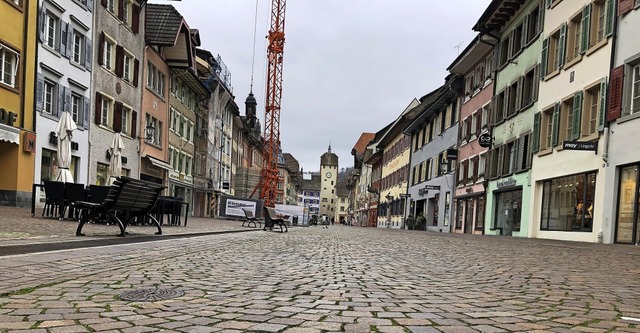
(329,146)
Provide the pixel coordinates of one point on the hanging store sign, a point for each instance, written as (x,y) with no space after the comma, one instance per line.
(452,154)
(580,145)
(485,140)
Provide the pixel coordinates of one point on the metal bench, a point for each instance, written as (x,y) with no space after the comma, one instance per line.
(128,199)
(250,220)
(272,219)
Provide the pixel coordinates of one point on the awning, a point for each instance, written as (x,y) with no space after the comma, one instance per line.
(9,134)
(159,163)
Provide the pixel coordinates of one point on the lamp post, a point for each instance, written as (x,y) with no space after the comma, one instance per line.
(389,197)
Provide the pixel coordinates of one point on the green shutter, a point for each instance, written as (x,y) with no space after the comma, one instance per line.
(535,146)
(576,117)
(545,57)
(610,17)
(556,125)
(586,24)
(603,105)
(562,45)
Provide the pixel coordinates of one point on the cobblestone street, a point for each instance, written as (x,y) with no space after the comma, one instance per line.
(340,279)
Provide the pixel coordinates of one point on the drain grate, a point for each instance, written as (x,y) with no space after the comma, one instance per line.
(150,294)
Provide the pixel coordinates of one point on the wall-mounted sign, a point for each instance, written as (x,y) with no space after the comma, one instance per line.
(7,117)
(580,145)
(428,188)
(485,140)
(452,154)
(29,142)
(507,183)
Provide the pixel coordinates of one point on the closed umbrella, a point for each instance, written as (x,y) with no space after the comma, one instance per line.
(115,163)
(65,129)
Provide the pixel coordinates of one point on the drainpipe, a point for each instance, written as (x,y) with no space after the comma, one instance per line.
(606,133)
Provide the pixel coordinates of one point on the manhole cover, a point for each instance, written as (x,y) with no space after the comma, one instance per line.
(150,294)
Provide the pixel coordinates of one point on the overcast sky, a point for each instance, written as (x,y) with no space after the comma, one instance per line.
(350,66)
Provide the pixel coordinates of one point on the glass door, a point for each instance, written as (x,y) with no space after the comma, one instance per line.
(627,224)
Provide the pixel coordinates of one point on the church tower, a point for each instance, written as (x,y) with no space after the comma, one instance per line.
(328,183)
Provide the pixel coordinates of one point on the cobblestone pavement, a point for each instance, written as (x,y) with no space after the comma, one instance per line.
(311,280)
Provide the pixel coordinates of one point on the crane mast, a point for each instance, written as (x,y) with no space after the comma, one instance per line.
(275,51)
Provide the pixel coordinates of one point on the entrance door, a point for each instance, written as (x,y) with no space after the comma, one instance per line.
(468,220)
(508,211)
(627,230)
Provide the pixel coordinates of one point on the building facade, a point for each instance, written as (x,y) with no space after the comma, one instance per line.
(18,51)
(475,66)
(328,184)
(433,136)
(574,71)
(517,57)
(119,51)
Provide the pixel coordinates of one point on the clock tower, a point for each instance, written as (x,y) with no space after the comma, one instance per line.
(328,183)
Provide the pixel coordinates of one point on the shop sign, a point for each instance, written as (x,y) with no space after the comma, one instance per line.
(580,145)
(485,140)
(427,188)
(7,117)
(507,183)
(452,154)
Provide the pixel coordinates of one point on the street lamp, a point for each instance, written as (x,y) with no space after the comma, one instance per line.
(389,197)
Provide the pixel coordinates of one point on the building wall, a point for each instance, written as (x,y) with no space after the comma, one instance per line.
(113,87)
(397,163)
(156,105)
(328,195)
(18,31)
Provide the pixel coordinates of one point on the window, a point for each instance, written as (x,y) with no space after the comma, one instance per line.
(546,129)
(482,161)
(566,122)
(155,80)
(635,89)
(508,162)
(574,37)
(485,115)
(499,107)
(106,110)
(553,63)
(598,22)
(512,102)
(50,96)
(78,45)
(157,133)
(504,51)
(111,6)
(126,114)
(51,30)
(127,74)
(530,87)
(534,25)
(102,174)
(109,54)
(76,108)
(125,15)
(567,203)
(8,66)
(517,40)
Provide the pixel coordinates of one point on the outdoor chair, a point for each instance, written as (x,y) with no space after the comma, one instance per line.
(73,192)
(54,199)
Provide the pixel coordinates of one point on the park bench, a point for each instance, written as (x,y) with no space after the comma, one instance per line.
(272,218)
(128,199)
(250,219)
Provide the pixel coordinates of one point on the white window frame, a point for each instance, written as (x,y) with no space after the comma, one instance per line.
(635,89)
(49,105)
(126,12)
(127,67)
(78,47)
(126,119)
(51,33)
(109,56)
(106,111)
(77,105)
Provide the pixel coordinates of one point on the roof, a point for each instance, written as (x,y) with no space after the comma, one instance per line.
(162,24)
(362,143)
(498,14)
(291,162)
(434,102)
(474,52)
(405,117)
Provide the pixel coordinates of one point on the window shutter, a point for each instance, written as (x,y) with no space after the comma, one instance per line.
(476,160)
(586,23)
(119,60)
(535,145)
(479,122)
(536,84)
(541,13)
(42,16)
(525,27)
(67,100)
(120,10)
(615,93)
(117,117)
(545,58)
(609,24)
(63,40)
(69,54)
(519,94)
(104,3)
(562,45)
(520,151)
(60,100)
(576,117)
(496,56)
(90,5)
(501,161)
(602,106)
(134,123)
(88,46)
(136,72)
(625,6)
(556,125)
(40,92)
(135,18)
(86,111)
(98,103)
(101,49)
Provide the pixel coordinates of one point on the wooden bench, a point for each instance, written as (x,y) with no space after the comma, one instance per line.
(272,218)
(128,199)
(250,219)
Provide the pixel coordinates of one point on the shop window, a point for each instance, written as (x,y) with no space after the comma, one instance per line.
(567,203)
(102,174)
(480,213)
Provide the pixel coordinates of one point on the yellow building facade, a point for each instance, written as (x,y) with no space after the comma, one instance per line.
(18,29)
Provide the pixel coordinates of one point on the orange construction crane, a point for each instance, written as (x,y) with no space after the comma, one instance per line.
(275,51)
